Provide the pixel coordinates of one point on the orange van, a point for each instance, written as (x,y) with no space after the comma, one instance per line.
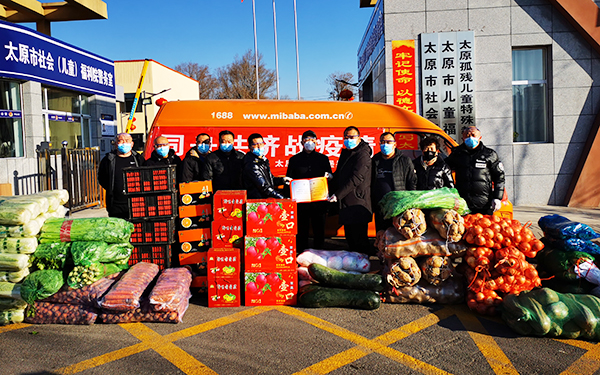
(282,122)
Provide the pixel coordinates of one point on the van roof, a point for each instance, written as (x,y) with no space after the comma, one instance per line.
(293,114)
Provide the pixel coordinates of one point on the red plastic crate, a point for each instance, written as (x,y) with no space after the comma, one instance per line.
(143,180)
(159,254)
(153,231)
(156,205)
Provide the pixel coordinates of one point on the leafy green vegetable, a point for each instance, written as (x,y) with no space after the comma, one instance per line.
(10,290)
(81,276)
(41,284)
(396,202)
(106,229)
(51,256)
(25,245)
(86,253)
(13,262)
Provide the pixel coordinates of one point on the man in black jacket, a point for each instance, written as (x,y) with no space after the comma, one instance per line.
(432,170)
(352,178)
(224,166)
(163,155)
(310,163)
(257,177)
(193,167)
(479,173)
(392,171)
(110,174)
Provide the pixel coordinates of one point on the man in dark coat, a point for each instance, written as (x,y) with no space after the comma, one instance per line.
(256,171)
(163,155)
(310,163)
(392,171)
(479,173)
(224,166)
(353,190)
(110,175)
(193,167)
(432,170)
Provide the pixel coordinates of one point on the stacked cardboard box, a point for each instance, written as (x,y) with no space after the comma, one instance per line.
(195,215)
(224,282)
(270,271)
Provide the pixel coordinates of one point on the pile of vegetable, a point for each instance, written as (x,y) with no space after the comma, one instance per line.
(338,289)
(136,295)
(496,266)
(567,262)
(544,312)
(104,229)
(395,203)
(21,219)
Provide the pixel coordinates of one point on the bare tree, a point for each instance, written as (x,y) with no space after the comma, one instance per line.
(206,82)
(238,79)
(336,86)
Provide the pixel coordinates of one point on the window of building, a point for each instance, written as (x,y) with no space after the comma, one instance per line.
(11,125)
(530,95)
(129,103)
(66,117)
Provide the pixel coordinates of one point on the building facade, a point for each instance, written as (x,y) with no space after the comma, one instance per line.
(160,82)
(536,81)
(51,92)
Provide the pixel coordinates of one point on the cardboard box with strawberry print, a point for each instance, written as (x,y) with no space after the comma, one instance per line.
(229,205)
(224,292)
(271,217)
(271,288)
(277,253)
(227,233)
(224,263)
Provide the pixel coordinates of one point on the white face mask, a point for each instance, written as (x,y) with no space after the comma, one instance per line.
(309,146)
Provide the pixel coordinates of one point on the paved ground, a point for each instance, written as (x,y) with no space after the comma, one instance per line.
(395,339)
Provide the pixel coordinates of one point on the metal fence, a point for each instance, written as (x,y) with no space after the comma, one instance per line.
(75,170)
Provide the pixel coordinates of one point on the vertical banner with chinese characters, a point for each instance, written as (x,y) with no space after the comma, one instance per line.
(403,60)
(466,84)
(447,80)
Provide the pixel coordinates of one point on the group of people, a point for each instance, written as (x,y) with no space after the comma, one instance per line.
(360,181)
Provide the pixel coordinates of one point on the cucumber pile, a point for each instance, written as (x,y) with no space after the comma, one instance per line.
(340,289)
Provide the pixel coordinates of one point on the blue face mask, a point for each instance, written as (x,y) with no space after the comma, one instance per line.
(203,148)
(162,151)
(387,149)
(259,151)
(350,143)
(226,147)
(124,147)
(471,142)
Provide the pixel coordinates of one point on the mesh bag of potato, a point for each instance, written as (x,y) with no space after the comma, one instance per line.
(449,223)
(411,223)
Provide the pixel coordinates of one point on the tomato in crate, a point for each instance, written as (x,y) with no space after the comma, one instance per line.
(155,205)
(159,254)
(153,231)
(142,180)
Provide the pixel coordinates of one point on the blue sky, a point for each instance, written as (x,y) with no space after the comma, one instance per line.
(212,32)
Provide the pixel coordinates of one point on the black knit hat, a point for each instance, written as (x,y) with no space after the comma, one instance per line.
(309,133)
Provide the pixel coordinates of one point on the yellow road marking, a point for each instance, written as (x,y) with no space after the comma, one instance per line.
(487,345)
(152,340)
(12,327)
(366,346)
(588,363)
(414,327)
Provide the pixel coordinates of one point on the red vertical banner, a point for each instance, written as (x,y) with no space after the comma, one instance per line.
(403,61)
